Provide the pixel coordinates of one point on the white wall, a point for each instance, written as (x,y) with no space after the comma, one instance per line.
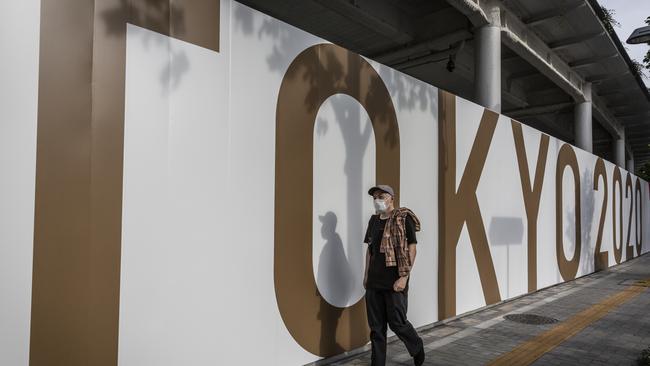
(197,269)
(199,188)
(174,267)
(502,207)
(197,264)
(19,47)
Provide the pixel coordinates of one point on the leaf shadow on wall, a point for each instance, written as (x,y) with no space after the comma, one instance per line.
(159,16)
(410,96)
(349,116)
(328,73)
(334,275)
(406,96)
(588,208)
(356,138)
(586,261)
(506,231)
(339,71)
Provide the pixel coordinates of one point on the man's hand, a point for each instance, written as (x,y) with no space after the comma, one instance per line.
(400,284)
(365,272)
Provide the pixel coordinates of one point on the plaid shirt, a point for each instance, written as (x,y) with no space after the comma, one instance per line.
(393,242)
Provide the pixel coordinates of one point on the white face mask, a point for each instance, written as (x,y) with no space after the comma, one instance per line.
(380,205)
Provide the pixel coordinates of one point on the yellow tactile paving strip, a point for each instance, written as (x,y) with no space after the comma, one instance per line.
(529,351)
(645,283)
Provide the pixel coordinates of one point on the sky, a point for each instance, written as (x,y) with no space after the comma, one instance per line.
(631,14)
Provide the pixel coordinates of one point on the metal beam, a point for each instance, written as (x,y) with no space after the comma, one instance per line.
(642,139)
(574,40)
(626,102)
(629,115)
(591,60)
(533,50)
(422,48)
(604,77)
(536,93)
(642,143)
(537,110)
(430,58)
(519,76)
(614,90)
(513,97)
(624,107)
(639,137)
(641,123)
(510,57)
(377,16)
(640,151)
(471,10)
(522,75)
(638,124)
(553,13)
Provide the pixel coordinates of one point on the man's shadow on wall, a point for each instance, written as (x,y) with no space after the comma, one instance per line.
(334,276)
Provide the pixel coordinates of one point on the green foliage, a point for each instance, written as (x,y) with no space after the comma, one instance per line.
(639,67)
(644,172)
(646,59)
(610,21)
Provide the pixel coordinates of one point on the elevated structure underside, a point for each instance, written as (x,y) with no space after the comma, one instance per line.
(552,51)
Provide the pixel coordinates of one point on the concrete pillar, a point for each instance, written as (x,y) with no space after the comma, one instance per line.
(619,151)
(583,121)
(630,165)
(487,59)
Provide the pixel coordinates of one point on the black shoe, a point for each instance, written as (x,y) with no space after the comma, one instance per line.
(418,359)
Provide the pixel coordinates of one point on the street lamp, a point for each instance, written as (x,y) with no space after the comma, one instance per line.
(640,35)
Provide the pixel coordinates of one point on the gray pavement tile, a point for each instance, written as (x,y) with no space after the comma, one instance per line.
(478,338)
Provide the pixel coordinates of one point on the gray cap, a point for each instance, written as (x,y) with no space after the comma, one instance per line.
(382,187)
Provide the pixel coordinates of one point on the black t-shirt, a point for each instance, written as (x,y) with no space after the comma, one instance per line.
(381,277)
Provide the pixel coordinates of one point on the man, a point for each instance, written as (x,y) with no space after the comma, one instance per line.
(390,236)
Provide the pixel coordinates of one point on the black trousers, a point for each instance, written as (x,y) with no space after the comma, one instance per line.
(387,307)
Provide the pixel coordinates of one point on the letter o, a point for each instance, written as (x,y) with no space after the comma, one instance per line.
(314,75)
(617,178)
(638,217)
(567,157)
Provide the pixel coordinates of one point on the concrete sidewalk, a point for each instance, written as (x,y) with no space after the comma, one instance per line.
(602,319)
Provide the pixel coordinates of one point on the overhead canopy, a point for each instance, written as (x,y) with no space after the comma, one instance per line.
(552,48)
